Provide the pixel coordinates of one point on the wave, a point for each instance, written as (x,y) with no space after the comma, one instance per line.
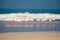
(29,16)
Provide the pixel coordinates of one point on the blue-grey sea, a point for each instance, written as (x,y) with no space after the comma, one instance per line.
(55,27)
(30,28)
(52,11)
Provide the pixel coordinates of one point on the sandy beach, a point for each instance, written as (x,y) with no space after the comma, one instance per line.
(30,36)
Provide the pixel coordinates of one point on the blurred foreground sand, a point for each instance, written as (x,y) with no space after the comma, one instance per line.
(30,36)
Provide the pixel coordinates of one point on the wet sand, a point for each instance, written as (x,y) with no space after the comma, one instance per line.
(30,36)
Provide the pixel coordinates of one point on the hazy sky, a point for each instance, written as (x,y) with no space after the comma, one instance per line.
(30,4)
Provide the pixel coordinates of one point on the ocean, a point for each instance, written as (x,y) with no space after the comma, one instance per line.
(53,11)
(27,27)
(55,26)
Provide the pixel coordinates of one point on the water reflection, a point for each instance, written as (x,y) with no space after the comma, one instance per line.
(30,26)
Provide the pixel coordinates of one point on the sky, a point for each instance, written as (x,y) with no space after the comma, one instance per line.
(30,4)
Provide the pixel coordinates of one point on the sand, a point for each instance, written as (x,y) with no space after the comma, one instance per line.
(30,36)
